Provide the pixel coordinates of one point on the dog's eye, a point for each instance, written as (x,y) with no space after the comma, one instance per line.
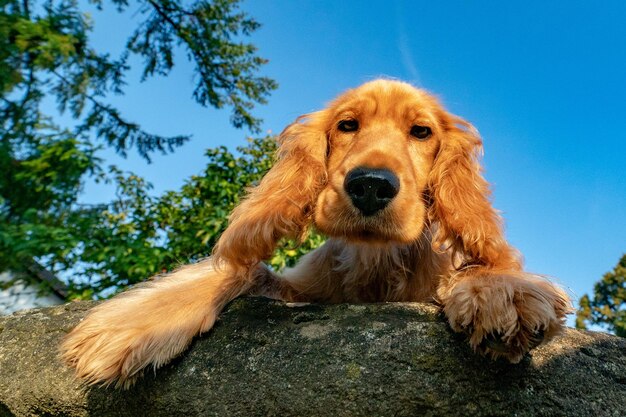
(348,125)
(421,132)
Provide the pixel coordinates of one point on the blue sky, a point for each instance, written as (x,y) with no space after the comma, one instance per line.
(544,83)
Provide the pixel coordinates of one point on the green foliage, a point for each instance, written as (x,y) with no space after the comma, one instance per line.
(206,29)
(47,54)
(608,305)
(138,235)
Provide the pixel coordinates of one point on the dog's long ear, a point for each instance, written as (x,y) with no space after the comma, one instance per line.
(461,204)
(283,202)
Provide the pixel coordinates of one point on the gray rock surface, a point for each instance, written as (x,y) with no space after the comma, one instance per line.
(264,358)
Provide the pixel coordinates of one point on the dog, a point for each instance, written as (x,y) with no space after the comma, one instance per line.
(395,182)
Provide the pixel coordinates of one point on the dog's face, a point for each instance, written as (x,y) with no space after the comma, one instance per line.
(378,165)
(382,141)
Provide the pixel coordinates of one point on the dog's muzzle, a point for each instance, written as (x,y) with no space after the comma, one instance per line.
(370,189)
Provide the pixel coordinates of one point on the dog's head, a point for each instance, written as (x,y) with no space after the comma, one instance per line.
(395,161)
(380,164)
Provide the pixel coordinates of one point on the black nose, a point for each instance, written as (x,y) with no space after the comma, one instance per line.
(371,189)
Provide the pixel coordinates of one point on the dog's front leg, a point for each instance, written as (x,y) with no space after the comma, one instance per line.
(151,323)
(504,310)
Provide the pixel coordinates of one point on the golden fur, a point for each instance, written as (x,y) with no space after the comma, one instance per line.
(438,240)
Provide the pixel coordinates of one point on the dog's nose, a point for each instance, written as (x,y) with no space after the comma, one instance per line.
(371,189)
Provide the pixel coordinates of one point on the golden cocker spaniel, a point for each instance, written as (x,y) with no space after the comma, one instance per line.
(393,180)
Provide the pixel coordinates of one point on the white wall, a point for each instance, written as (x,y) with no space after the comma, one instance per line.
(21,297)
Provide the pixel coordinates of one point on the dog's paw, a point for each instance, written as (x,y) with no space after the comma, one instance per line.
(106,354)
(118,340)
(506,315)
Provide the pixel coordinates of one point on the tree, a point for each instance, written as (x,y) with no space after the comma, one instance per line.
(608,305)
(45,54)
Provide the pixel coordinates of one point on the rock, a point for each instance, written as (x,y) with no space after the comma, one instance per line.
(265,358)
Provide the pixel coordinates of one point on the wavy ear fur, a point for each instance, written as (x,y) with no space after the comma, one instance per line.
(460,201)
(282,204)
